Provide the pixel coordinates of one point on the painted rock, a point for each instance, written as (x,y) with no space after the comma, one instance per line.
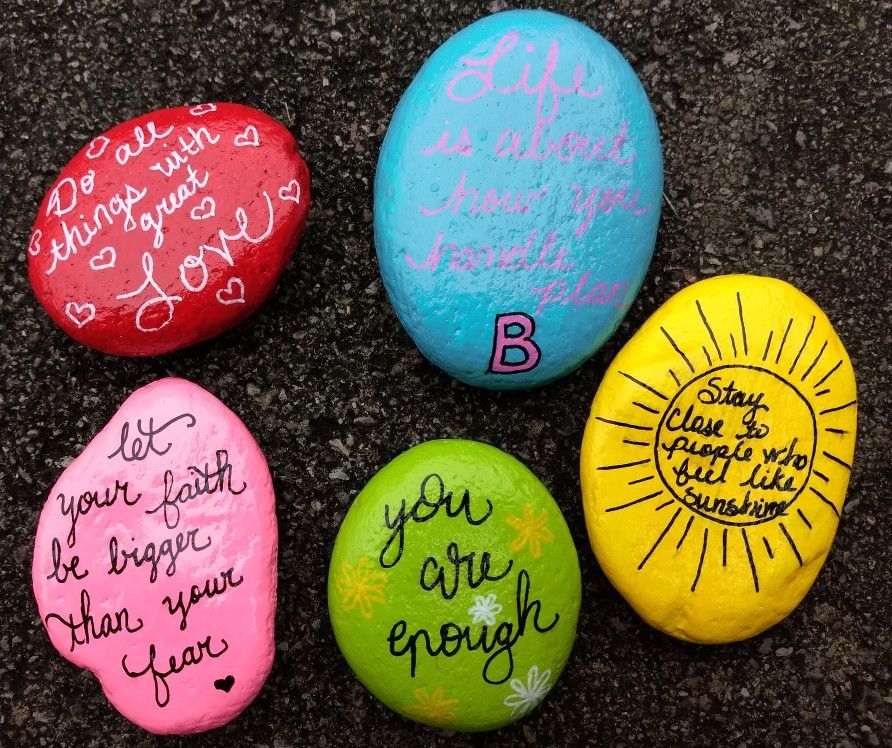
(169,228)
(454,587)
(155,560)
(517,199)
(717,455)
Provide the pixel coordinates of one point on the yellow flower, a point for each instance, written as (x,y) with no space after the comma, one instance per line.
(361,586)
(435,709)
(531,531)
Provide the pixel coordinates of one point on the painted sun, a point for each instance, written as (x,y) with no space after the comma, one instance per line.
(720,447)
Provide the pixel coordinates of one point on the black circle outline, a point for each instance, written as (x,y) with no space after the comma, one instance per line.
(684,387)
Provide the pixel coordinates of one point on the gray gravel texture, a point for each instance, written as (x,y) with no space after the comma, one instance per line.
(775,119)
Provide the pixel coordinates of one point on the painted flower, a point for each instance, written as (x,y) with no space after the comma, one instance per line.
(531,531)
(361,586)
(527,696)
(435,709)
(485,610)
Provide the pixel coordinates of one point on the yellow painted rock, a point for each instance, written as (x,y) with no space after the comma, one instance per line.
(716,458)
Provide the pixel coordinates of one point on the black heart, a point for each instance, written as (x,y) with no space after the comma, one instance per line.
(224,684)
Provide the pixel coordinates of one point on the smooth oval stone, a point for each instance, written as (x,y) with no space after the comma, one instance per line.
(155,560)
(169,228)
(717,455)
(517,199)
(454,586)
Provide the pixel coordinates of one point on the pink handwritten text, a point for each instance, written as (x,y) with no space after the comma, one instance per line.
(507,258)
(568,147)
(462,146)
(556,292)
(610,199)
(492,200)
(547,92)
(483,70)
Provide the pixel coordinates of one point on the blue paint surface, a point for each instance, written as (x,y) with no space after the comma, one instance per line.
(534,83)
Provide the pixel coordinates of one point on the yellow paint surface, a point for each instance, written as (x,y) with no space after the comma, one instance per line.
(717,455)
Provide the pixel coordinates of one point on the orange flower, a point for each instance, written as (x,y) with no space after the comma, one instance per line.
(435,709)
(531,531)
(361,586)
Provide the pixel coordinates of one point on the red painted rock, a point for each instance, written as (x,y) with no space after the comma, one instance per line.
(155,560)
(169,228)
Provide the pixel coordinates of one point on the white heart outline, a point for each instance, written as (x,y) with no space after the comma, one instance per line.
(199,109)
(34,244)
(250,137)
(209,212)
(72,309)
(228,290)
(104,141)
(286,190)
(104,265)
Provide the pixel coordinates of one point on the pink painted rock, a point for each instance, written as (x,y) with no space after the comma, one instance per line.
(155,560)
(169,228)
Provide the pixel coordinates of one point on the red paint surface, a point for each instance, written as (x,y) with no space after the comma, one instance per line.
(237,206)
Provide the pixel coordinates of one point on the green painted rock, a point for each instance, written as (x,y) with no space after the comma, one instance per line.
(454,587)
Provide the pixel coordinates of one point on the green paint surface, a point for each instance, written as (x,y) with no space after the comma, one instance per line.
(455,560)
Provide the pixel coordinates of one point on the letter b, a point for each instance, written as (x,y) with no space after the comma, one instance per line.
(505,339)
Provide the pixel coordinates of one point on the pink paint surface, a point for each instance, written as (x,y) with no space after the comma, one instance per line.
(228,524)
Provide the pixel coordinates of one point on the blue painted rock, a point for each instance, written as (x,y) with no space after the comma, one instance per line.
(517,199)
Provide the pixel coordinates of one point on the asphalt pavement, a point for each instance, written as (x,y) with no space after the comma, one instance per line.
(775,122)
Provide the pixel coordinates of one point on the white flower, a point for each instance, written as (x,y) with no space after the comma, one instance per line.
(485,610)
(528,696)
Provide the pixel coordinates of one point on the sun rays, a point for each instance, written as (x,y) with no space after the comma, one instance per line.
(742,444)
